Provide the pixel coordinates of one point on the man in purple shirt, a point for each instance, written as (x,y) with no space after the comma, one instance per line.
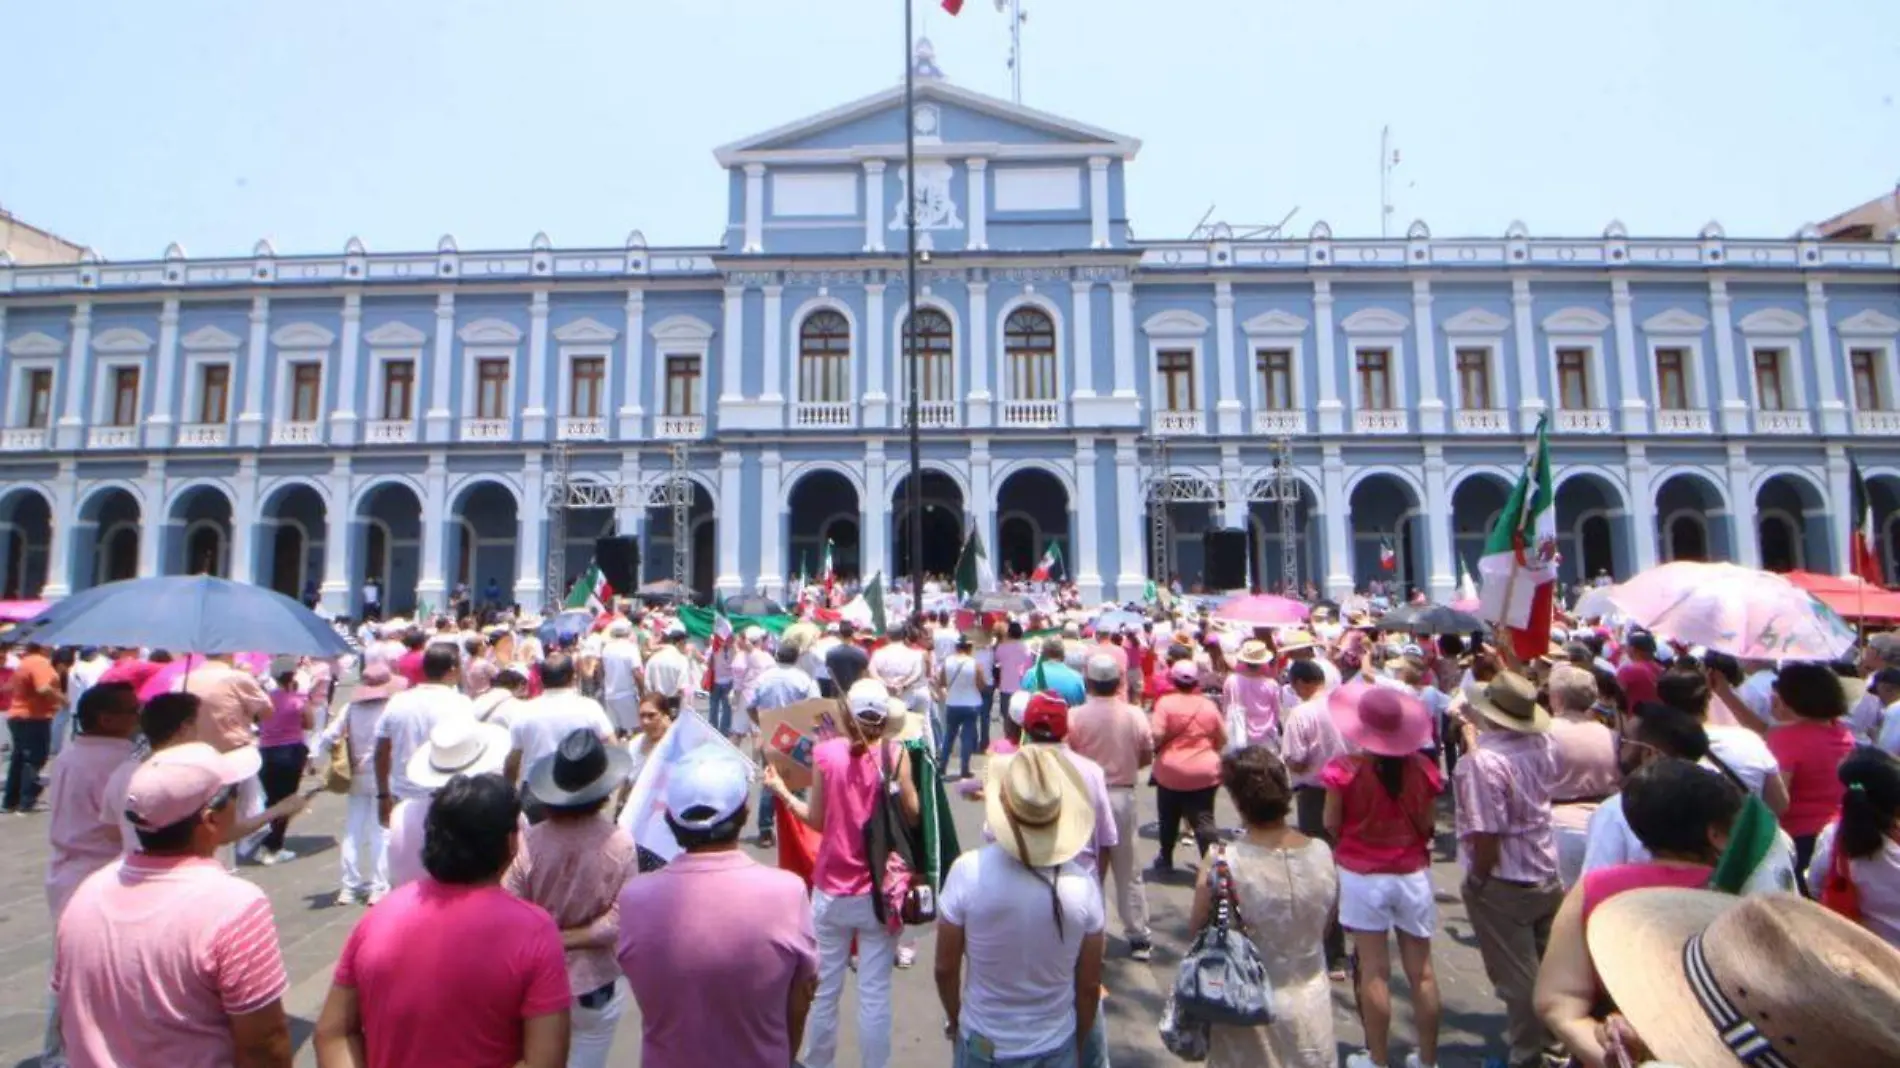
(715,919)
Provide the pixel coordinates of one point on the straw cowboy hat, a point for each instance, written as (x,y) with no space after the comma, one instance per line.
(1774,980)
(1255,653)
(1380,719)
(1510,701)
(1038,806)
(459,745)
(1293,641)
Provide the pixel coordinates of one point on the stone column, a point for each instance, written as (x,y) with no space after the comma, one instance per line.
(250,421)
(71,431)
(754,208)
(771,519)
(1827,362)
(874,357)
(982,502)
(349,352)
(635,367)
(534,417)
(1082,339)
(1122,326)
(1337,513)
(1227,406)
(874,545)
(1840,521)
(773,393)
(431,587)
(873,205)
(1732,413)
(1098,202)
(732,348)
(979,204)
(531,557)
(337,590)
(1233,506)
(65,514)
(977,408)
(244,520)
(439,420)
(1130,508)
(1635,408)
(1431,407)
(1744,536)
(1530,398)
(165,367)
(1332,414)
(1641,508)
(630,520)
(1088,569)
(1441,582)
(732,514)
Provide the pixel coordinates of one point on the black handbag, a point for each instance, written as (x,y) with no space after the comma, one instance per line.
(1222,978)
(893,849)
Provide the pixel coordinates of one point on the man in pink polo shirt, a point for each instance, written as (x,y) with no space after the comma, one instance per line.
(676,947)
(163,957)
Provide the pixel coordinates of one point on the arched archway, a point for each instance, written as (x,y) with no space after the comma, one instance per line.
(1266,542)
(1032,508)
(656,561)
(1691,519)
(1385,515)
(113,517)
(26,522)
(483,527)
(1591,530)
(822,507)
(387,547)
(943,508)
(200,527)
(1476,504)
(1791,522)
(298,522)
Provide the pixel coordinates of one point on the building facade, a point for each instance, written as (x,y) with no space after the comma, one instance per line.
(316,421)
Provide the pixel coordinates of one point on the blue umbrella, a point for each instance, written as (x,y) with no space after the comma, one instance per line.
(565,627)
(186,614)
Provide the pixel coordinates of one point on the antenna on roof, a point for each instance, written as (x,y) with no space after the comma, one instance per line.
(1017,16)
(1206,231)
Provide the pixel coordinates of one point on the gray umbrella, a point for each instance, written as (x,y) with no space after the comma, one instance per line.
(999,601)
(186,614)
(1431,619)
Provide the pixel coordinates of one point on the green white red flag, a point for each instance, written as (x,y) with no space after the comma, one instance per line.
(591,590)
(1519,565)
(1051,559)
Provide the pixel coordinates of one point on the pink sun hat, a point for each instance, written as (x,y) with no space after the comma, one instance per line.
(1380,719)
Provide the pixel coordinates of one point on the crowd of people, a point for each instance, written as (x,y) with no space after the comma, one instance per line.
(1665,853)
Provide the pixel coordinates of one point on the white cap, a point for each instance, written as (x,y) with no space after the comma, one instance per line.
(717,781)
(620,628)
(1019,705)
(755,634)
(869,699)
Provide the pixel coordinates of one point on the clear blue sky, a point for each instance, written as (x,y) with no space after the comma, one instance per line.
(215,123)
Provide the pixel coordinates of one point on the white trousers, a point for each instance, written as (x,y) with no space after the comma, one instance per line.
(836,920)
(591,1032)
(1131,893)
(362,829)
(250,803)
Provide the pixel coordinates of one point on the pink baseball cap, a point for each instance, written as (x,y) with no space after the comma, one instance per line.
(174,784)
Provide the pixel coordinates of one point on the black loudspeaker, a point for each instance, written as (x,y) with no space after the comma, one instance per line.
(619,560)
(1226,554)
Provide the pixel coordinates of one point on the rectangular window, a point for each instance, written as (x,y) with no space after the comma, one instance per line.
(214,392)
(1474,379)
(1573,379)
(1176,370)
(491,389)
(1865,364)
(125,396)
(588,379)
(1672,379)
(399,386)
(1375,379)
(682,385)
(39,398)
(1275,367)
(1768,391)
(306,391)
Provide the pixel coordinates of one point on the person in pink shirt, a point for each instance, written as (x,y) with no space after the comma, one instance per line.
(1809,743)
(1585,750)
(280,741)
(163,957)
(1309,741)
(1252,688)
(1114,735)
(1189,735)
(452,969)
(1012,659)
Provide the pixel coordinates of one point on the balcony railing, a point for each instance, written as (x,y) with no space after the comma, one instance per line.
(583,428)
(822,414)
(1481,421)
(1379,421)
(23,439)
(1583,421)
(1782,423)
(1683,421)
(1179,424)
(204,436)
(487,429)
(680,427)
(389,432)
(1883,423)
(932,415)
(112,437)
(1278,422)
(1032,413)
(303,433)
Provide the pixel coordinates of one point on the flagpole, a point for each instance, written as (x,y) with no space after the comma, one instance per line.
(913,488)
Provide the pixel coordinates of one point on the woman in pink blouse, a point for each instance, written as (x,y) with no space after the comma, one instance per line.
(1252,689)
(1189,734)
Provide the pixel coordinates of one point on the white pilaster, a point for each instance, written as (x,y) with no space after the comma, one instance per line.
(1642,508)
(438,421)
(873,205)
(250,421)
(729,524)
(1332,414)
(244,515)
(631,520)
(431,587)
(1082,340)
(1337,514)
(534,417)
(1130,507)
(1121,305)
(1827,363)
(1233,504)
(765,512)
(754,208)
(1530,396)
(1839,522)
(874,545)
(773,393)
(977,332)
(979,203)
(1098,201)
(531,559)
(71,431)
(337,590)
(1440,580)
(983,495)
(65,511)
(152,525)
(874,357)
(1431,407)
(1634,383)
(1732,415)
(1745,538)
(349,352)
(634,366)
(1088,567)
(1227,406)
(732,349)
(158,427)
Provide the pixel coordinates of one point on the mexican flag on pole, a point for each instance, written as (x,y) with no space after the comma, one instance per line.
(1051,559)
(590,591)
(1519,566)
(1388,558)
(827,571)
(1862,558)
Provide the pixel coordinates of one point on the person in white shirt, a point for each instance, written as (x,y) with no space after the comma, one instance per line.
(538,728)
(1886,726)
(783,684)
(903,666)
(1757,690)
(962,681)
(668,672)
(1868,829)
(1742,750)
(749,664)
(406,723)
(357,729)
(943,638)
(620,677)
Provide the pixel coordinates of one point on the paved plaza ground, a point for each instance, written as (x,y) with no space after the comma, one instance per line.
(313,928)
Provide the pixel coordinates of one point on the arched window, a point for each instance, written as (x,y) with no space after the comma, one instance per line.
(824,358)
(1029,352)
(936,355)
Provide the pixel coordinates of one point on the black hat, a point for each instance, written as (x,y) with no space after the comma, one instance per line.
(582,771)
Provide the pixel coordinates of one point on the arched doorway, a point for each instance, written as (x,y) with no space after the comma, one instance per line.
(1266,541)
(389,550)
(483,528)
(1590,530)
(1476,503)
(1032,509)
(1791,522)
(26,522)
(1384,511)
(201,519)
(113,517)
(942,523)
(656,560)
(298,520)
(1689,515)
(822,508)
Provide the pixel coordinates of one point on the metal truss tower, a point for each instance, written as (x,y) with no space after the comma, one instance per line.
(1160,532)
(552,592)
(1286,490)
(679,493)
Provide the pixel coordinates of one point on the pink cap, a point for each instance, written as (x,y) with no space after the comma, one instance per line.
(174,784)
(1185,671)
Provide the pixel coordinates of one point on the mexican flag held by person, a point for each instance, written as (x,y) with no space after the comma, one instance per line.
(1388,559)
(591,591)
(827,569)
(721,637)
(1051,559)
(1861,553)
(1519,565)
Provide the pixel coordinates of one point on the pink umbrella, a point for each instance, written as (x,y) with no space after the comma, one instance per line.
(1263,610)
(170,676)
(1754,615)
(20,611)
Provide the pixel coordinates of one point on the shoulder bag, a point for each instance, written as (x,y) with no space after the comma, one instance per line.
(336,777)
(1222,978)
(893,850)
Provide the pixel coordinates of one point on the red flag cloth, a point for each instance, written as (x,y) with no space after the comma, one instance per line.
(797,843)
(953,6)
(1863,558)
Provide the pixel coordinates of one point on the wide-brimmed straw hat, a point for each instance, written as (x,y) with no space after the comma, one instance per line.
(1774,980)
(1038,806)
(458,745)
(1510,701)
(1380,719)
(377,682)
(1293,641)
(583,770)
(1255,653)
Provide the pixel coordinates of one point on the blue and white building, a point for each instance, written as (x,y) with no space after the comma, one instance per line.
(323,419)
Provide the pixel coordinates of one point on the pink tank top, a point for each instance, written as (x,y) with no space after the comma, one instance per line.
(1605,883)
(851,785)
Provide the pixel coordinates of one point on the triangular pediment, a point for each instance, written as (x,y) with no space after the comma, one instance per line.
(36,344)
(585,330)
(1675,321)
(1576,321)
(1374,321)
(1275,322)
(1869,323)
(302,336)
(1476,321)
(490,332)
(210,339)
(1773,321)
(952,116)
(395,335)
(122,339)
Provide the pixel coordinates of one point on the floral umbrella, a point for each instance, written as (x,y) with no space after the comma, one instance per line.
(1750,614)
(1263,610)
